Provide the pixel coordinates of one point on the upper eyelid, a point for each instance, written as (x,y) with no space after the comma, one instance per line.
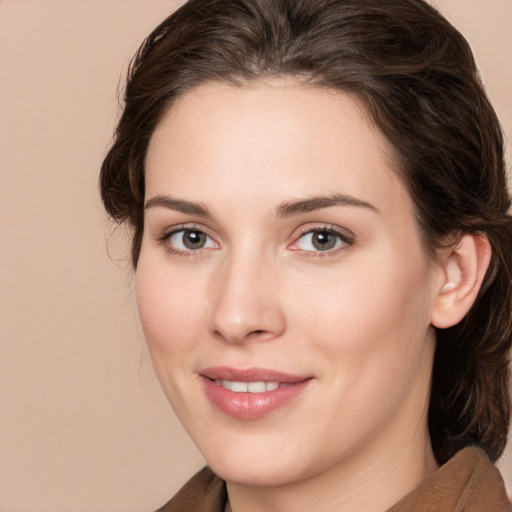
(166,233)
(187,226)
(344,233)
(164,239)
(347,238)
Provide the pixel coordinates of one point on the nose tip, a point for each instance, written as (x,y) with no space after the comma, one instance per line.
(246,324)
(237,330)
(244,309)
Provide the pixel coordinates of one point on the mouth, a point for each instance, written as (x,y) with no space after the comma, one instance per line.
(252,393)
(247,387)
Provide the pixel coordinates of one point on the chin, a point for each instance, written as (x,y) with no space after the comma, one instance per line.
(265,474)
(253,467)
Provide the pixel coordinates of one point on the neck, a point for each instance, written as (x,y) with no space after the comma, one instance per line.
(370,483)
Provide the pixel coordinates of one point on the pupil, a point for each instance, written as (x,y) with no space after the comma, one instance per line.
(324,240)
(194,239)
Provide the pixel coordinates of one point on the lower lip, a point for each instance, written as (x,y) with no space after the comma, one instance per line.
(252,406)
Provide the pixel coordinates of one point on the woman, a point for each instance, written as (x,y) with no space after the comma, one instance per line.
(323,253)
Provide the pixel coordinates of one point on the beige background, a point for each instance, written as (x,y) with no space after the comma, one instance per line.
(83,424)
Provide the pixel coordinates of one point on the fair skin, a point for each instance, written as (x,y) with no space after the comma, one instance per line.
(280,245)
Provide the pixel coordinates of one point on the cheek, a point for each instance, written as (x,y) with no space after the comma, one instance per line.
(375,309)
(169,308)
(371,329)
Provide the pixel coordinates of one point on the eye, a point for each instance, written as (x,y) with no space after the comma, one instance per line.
(321,240)
(190,240)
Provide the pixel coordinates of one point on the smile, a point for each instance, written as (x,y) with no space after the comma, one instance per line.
(247,387)
(253,393)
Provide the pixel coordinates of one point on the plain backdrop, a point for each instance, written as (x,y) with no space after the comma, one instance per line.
(84,426)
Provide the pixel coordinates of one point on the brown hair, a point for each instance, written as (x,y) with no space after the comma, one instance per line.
(416,75)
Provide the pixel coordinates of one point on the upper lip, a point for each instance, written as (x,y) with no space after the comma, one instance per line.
(250,375)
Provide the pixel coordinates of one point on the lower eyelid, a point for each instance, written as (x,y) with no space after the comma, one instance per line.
(165,240)
(345,239)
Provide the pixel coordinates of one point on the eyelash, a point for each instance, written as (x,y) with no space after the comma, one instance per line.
(346,240)
(190,228)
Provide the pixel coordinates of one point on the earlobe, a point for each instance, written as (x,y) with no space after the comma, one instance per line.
(462,270)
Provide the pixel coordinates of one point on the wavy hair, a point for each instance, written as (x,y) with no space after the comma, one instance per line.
(417,78)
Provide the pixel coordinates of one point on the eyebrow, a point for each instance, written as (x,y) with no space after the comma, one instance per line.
(287,209)
(179,205)
(298,207)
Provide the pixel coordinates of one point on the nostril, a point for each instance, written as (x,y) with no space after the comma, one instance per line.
(249,319)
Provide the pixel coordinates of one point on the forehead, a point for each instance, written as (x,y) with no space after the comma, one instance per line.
(276,139)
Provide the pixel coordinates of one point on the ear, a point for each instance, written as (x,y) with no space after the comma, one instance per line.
(462,270)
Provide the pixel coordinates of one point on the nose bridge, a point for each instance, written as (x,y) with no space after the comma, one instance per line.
(244,297)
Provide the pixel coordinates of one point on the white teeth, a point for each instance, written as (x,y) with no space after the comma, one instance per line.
(238,387)
(247,387)
(256,387)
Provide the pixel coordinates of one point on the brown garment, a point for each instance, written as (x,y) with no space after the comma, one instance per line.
(467,483)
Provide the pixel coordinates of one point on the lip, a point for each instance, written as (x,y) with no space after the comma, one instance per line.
(251,406)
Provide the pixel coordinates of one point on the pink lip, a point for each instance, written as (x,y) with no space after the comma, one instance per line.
(251,406)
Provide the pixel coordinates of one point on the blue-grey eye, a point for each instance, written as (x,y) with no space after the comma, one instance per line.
(190,240)
(319,240)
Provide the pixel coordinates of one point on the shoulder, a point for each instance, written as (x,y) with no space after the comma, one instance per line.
(204,492)
(468,482)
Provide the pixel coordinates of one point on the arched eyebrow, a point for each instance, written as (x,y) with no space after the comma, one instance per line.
(187,207)
(286,209)
(301,206)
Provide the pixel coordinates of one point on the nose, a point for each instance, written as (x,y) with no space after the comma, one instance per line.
(245,302)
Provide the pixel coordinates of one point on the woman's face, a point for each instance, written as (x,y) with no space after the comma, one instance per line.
(281,285)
